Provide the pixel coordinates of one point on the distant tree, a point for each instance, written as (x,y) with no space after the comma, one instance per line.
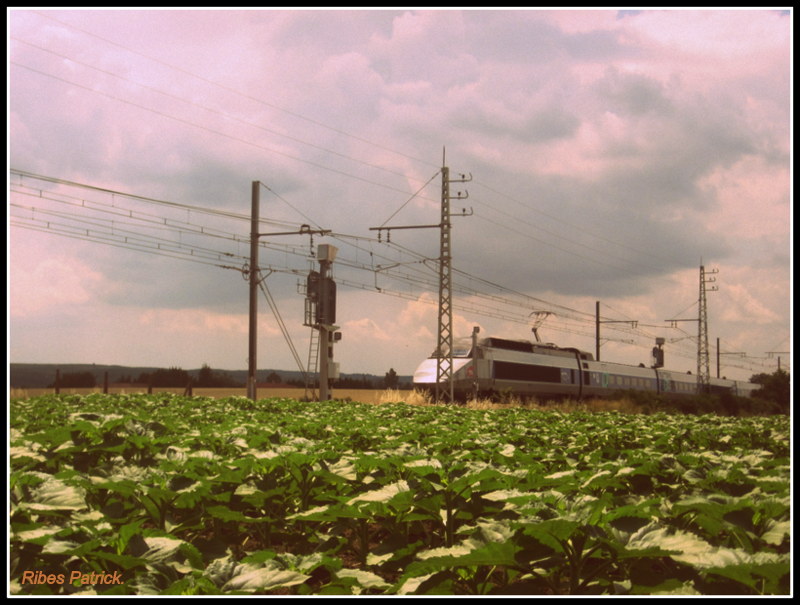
(354,382)
(390,380)
(208,378)
(205,377)
(77,380)
(172,377)
(223,379)
(274,378)
(775,387)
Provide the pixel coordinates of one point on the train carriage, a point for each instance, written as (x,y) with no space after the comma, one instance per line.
(498,366)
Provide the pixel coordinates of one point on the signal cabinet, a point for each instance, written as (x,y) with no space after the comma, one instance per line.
(322,292)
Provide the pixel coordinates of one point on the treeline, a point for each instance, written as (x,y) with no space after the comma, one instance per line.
(773,397)
(169,377)
(207,378)
(354,381)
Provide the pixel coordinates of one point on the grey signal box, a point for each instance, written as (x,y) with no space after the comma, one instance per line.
(326,307)
(322,291)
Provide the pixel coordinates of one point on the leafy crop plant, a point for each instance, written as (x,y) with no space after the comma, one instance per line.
(162,494)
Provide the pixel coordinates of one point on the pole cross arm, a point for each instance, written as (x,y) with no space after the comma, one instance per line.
(673,322)
(633,322)
(304,230)
(405,227)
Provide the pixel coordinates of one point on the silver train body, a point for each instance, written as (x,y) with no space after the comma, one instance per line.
(495,366)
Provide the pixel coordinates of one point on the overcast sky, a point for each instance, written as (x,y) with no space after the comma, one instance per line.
(611,154)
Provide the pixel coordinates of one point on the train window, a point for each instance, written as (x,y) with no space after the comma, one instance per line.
(504,370)
(461,348)
(511,345)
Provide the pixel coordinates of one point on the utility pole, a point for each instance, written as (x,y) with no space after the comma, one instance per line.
(703,370)
(253,275)
(326,318)
(444,342)
(597,323)
(719,354)
(771,353)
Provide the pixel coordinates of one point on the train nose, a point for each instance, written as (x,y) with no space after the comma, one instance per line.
(426,372)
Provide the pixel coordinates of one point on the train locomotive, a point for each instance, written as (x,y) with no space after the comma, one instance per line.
(490,366)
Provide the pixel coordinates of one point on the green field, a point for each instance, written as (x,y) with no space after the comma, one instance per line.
(164,494)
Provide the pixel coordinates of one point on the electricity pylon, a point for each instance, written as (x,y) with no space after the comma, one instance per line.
(444,341)
(703,365)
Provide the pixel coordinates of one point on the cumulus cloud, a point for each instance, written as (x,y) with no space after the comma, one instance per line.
(54,284)
(611,153)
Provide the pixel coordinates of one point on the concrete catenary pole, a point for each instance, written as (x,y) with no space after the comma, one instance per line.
(252,338)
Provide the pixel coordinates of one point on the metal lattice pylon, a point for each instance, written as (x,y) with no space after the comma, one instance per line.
(703,364)
(444,345)
(444,342)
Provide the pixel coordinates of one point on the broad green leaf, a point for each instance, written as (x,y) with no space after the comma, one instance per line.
(561,474)
(344,468)
(56,495)
(161,548)
(411,585)
(451,552)
(40,535)
(689,548)
(59,547)
(591,479)
(776,533)
(221,569)
(227,514)
(365,579)
(247,579)
(507,450)
(27,450)
(384,494)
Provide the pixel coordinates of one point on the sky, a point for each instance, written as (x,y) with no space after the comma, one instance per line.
(596,155)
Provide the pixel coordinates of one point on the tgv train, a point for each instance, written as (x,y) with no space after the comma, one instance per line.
(492,366)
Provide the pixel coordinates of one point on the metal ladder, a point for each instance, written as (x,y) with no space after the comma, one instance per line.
(313,359)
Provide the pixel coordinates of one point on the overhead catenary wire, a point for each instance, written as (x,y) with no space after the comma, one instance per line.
(414,272)
(214,131)
(423,276)
(227,115)
(571,226)
(282,325)
(233,90)
(414,195)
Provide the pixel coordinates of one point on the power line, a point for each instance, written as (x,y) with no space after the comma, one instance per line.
(226,115)
(593,259)
(573,226)
(235,91)
(212,130)
(116,230)
(133,228)
(569,241)
(327,150)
